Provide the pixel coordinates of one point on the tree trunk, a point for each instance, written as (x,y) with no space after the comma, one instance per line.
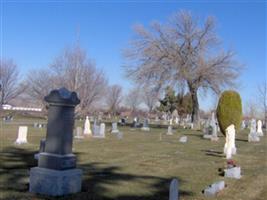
(195,111)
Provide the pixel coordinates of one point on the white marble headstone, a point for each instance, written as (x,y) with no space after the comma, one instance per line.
(87,128)
(259,128)
(234,172)
(213,189)
(114,128)
(102,130)
(22,135)
(253,126)
(176,120)
(229,147)
(253,135)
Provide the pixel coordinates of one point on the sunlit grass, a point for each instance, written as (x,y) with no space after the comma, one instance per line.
(140,166)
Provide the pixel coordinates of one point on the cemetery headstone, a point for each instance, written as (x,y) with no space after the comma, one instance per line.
(211,129)
(253,135)
(229,147)
(87,128)
(79,133)
(102,130)
(243,124)
(22,135)
(56,174)
(169,130)
(259,128)
(214,126)
(207,130)
(183,139)
(253,126)
(234,172)
(96,128)
(173,191)
(145,126)
(213,189)
(114,128)
(136,123)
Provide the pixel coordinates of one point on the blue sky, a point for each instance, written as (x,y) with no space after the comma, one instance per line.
(33,34)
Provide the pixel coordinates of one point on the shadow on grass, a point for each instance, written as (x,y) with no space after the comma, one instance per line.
(194,134)
(98,179)
(214,153)
(241,140)
(14,169)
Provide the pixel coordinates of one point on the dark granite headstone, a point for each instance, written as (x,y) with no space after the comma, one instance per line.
(56,173)
(58,148)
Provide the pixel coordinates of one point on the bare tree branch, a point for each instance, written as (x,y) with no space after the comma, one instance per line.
(10,85)
(114,98)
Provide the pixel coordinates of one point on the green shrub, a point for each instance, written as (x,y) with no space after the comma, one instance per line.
(229,110)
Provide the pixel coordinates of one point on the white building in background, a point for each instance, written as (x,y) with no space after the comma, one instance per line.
(9,107)
(6,107)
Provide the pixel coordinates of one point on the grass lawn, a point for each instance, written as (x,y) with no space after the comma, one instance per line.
(139,166)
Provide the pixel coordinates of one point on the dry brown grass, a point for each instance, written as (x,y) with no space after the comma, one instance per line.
(140,166)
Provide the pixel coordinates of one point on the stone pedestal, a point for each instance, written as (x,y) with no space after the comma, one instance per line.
(55,182)
(57,162)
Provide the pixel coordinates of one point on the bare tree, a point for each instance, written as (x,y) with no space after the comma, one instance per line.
(74,71)
(251,110)
(150,97)
(182,52)
(262,91)
(40,83)
(10,85)
(133,99)
(114,98)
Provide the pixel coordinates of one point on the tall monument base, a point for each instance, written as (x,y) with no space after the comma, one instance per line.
(55,182)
